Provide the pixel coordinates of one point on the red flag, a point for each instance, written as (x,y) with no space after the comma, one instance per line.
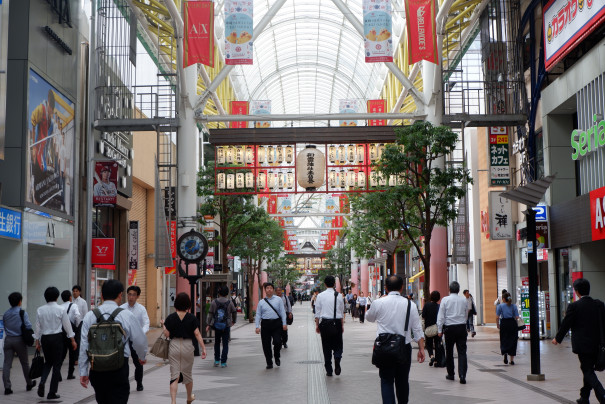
(272,204)
(377,106)
(422,38)
(239,108)
(199,34)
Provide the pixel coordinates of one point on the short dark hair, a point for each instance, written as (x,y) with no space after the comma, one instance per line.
(454,287)
(14,298)
(78,287)
(435,296)
(223,291)
(330,281)
(267,284)
(51,294)
(464,291)
(582,286)
(504,291)
(135,288)
(182,302)
(394,283)
(65,295)
(111,289)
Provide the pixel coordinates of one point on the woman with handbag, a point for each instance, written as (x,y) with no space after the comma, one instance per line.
(182,327)
(507,324)
(429,314)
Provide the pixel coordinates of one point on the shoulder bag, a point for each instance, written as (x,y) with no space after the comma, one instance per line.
(520,324)
(333,327)
(161,347)
(35,370)
(391,349)
(600,362)
(27,334)
(431,331)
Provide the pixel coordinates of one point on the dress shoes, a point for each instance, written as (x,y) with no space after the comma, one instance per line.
(270,366)
(53,397)
(41,390)
(139,386)
(449,377)
(277,362)
(70,377)
(328,370)
(337,368)
(29,387)
(432,361)
(285,346)
(463,380)
(582,401)
(7,392)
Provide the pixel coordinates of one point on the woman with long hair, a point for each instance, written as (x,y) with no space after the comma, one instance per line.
(508,313)
(429,314)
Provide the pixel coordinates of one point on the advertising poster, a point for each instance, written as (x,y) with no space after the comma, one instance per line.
(375,107)
(51,132)
(173,239)
(199,34)
(238,32)
(377,31)
(105,188)
(133,245)
(348,107)
(422,37)
(239,108)
(103,251)
(261,108)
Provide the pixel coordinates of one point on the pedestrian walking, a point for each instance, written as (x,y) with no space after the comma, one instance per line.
(270,321)
(472,311)
(75,318)
(140,313)
(451,321)
(429,314)
(182,328)
(353,303)
(348,299)
(390,315)
(508,313)
(76,292)
(362,302)
(14,343)
(584,318)
(111,386)
(500,298)
(344,301)
(329,323)
(313,300)
(221,319)
(288,308)
(237,303)
(50,322)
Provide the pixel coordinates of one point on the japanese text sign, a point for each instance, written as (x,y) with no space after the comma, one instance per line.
(500,217)
(10,223)
(499,161)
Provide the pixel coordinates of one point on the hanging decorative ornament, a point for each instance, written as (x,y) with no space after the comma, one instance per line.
(271,180)
(360,153)
(262,181)
(220,155)
(280,180)
(270,156)
(373,152)
(290,180)
(249,155)
(380,150)
(342,179)
(230,181)
(220,180)
(392,180)
(310,168)
(261,155)
(332,154)
(351,153)
(280,154)
(332,178)
(289,154)
(239,180)
(342,156)
(382,180)
(239,155)
(351,178)
(373,179)
(361,179)
(249,180)
(229,155)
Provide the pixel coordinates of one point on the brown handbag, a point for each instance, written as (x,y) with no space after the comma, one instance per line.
(160,347)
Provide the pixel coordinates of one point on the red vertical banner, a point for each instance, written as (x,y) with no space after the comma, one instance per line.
(422,36)
(239,108)
(375,107)
(172,231)
(199,33)
(272,204)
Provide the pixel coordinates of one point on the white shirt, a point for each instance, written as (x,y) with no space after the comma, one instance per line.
(52,319)
(324,305)
(389,314)
(140,313)
(130,325)
(74,313)
(453,310)
(82,306)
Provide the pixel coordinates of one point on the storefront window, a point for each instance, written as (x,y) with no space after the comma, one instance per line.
(102,218)
(565,295)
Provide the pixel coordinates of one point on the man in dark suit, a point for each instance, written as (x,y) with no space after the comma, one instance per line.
(580,318)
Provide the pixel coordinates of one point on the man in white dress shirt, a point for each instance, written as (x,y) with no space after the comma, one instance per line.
(331,326)
(390,315)
(451,321)
(75,319)
(140,313)
(76,292)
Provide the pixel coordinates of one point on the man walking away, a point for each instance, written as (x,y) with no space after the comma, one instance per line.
(112,387)
(140,313)
(221,318)
(584,317)
(472,311)
(75,319)
(390,316)
(270,321)
(83,309)
(14,344)
(329,309)
(451,321)
(288,308)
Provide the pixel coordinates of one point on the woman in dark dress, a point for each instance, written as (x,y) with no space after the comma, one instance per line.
(507,323)
(429,314)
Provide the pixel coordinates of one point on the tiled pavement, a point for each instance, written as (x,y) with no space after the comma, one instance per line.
(301,378)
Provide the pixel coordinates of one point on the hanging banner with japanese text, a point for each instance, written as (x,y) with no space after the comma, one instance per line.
(239,108)
(499,163)
(348,107)
(500,217)
(377,30)
(238,32)
(375,107)
(422,37)
(261,108)
(173,238)
(199,34)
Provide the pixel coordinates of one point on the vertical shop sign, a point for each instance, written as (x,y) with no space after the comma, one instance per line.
(199,34)
(422,37)
(376,107)
(133,251)
(238,32)
(3,67)
(239,108)
(597,213)
(499,156)
(348,107)
(261,108)
(525,311)
(172,232)
(378,30)
(500,217)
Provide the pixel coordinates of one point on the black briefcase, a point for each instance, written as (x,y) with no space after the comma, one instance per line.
(35,370)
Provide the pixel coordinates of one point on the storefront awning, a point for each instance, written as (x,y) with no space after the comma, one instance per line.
(530,194)
(413,278)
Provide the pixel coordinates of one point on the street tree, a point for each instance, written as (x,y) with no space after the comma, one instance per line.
(283,271)
(338,264)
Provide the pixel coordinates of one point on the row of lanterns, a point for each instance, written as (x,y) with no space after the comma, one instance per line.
(245,155)
(281,180)
(354,153)
(343,179)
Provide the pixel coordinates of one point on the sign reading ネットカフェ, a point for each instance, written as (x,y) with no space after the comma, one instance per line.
(499,156)
(597,213)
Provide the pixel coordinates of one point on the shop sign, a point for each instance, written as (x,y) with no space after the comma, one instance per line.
(10,223)
(540,210)
(542,255)
(525,311)
(172,232)
(597,213)
(590,140)
(499,156)
(103,250)
(500,217)
(133,246)
(542,235)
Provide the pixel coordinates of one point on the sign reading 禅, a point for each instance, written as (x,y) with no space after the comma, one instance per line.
(500,217)
(376,107)
(348,107)
(103,251)
(10,224)
(422,37)
(238,32)
(261,108)
(239,108)
(133,251)
(378,30)
(566,24)
(199,34)
(499,156)
(105,190)
(597,213)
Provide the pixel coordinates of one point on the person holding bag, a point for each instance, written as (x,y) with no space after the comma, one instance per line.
(507,324)
(329,323)
(270,321)
(429,314)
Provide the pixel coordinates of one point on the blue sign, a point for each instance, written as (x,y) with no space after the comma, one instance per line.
(10,224)
(540,212)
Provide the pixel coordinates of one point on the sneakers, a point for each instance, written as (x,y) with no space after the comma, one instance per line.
(223,365)
(217,364)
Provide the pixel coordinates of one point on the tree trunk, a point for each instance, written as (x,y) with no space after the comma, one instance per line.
(427,268)
(250,293)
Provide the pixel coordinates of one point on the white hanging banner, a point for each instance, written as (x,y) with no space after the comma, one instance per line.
(238,32)
(261,108)
(378,30)
(348,107)
(500,217)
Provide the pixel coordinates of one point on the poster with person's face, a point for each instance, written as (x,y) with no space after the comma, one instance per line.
(50,134)
(105,188)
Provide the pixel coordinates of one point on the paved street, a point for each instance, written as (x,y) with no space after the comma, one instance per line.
(301,377)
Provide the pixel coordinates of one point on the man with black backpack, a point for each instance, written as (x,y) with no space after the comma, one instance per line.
(75,318)
(105,349)
(220,318)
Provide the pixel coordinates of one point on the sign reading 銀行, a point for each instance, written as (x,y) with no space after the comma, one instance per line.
(10,224)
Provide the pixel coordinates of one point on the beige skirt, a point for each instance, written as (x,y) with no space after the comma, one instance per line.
(181,357)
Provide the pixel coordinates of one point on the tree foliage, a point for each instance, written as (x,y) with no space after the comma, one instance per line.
(338,264)
(282,271)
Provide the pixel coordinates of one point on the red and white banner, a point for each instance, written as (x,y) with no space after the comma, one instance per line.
(239,108)
(422,38)
(103,250)
(597,213)
(238,32)
(378,30)
(172,231)
(375,107)
(199,34)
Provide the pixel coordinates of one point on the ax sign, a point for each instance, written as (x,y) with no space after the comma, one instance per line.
(103,250)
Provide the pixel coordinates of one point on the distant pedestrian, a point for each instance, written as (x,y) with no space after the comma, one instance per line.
(329,322)
(362,302)
(270,321)
(472,311)
(140,313)
(583,317)
(451,321)
(390,316)
(354,309)
(508,313)
(237,303)
(75,318)
(288,307)
(429,314)
(313,300)
(13,342)
(76,292)
(50,322)
(499,300)
(220,318)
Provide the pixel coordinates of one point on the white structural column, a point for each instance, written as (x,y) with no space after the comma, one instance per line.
(354,272)
(365,276)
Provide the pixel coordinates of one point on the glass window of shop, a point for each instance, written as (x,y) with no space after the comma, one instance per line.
(103,219)
(565,288)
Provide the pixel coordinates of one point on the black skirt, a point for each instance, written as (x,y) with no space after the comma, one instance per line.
(508,336)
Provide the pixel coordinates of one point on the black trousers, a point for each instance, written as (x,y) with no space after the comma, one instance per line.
(362,313)
(331,341)
(271,330)
(67,348)
(138,368)
(456,335)
(111,387)
(399,376)
(431,344)
(591,381)
(78,332)
(52,348)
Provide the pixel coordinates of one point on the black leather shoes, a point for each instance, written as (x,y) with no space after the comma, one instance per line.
(449,377)
(286,346)
(462,380)
(31,386)
(7,392)
(269,366)
(140,387)
(70,377)
(41,390)
(277,362)
(53,397)
(337,368)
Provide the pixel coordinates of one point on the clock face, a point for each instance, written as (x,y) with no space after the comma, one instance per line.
(192,247)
